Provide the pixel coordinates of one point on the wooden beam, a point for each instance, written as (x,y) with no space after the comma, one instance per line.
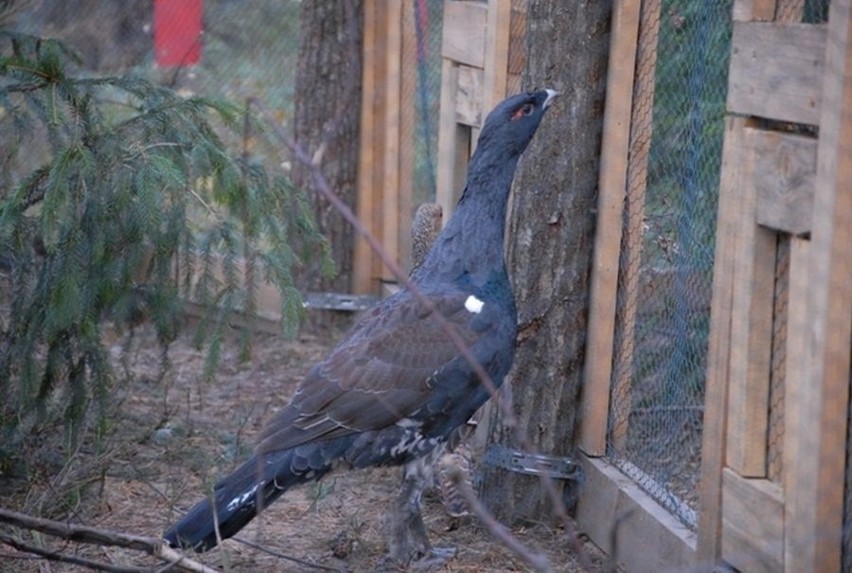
(612,187)
(782,175)
(496,53)
(465,32)
(714,436)
(648,538)
(815,512)
(798,431)
(641,131)
(752,524)
(776,71)
(389,179)
(469,95)
(363,265)
(407,134)
(453,144)
(751,335)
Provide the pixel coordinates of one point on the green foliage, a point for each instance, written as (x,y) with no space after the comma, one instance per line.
(118,199)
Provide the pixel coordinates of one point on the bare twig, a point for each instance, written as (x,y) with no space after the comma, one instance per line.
(536,560)
(61,557)
(95,536)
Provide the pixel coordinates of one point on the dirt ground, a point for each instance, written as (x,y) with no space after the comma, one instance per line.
(177,434)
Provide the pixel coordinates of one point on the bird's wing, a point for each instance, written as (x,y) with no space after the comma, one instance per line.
(380,373)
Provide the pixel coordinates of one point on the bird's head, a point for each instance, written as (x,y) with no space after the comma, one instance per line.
(511,125)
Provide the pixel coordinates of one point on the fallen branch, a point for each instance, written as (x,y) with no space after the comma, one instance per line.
(94,536)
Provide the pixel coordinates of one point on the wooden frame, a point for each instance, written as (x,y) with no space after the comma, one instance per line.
(773,183)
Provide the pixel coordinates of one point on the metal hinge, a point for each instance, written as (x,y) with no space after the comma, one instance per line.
(533,464)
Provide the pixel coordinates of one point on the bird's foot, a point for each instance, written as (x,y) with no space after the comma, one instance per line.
(429,560)
(436,558)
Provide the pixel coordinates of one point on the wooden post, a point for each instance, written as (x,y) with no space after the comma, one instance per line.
(612,187)
(386,162)
(814,515)
(634,227)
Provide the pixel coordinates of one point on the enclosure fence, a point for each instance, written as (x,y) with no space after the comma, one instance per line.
(666,259)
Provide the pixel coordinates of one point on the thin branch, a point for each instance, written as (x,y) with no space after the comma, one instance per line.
(536,560)
(61,557)
(94,536)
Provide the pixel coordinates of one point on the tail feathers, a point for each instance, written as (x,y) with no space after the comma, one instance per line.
(238,498)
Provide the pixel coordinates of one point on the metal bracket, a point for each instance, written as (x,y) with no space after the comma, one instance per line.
(533,464)
(339,301)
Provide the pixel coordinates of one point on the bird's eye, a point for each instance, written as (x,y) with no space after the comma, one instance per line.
(526,109)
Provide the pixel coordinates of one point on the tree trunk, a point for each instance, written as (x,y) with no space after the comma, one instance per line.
(327,110)
(551,231)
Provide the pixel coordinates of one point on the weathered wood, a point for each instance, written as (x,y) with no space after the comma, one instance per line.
(634,227)
(469,95)
(612,187)
(389,180)
(453,143)
(465,32)
(496,53)
(815,506)
(776,71)
(748,10)
(407,135)
(648,538)
(365,261)
(714,437)
(751,342)
(782,174)
(798,430)
(752,523)
(790,11)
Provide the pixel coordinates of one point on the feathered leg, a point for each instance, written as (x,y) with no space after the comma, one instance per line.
(409,542)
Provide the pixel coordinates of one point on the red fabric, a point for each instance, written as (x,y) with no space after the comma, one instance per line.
(177,32)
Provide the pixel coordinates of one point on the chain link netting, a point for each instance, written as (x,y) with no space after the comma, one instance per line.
(667,248)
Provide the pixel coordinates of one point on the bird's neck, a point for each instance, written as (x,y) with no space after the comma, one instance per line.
(471,244)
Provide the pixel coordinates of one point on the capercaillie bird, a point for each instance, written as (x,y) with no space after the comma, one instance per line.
(396,387)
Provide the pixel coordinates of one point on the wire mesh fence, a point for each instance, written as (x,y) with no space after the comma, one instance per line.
(667,248)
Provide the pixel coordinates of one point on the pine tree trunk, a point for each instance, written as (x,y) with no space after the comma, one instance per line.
(551,233)
(327,109)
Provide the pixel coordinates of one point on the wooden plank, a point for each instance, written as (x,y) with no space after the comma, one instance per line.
(790,11)
(469,95)
(465,27)
(752,523)
(408,135)
(634,228)
(798,430)
(782,175)
(612,187)
(363,264)
(751,343)
(648,538)
(453,144)
(815,512)
(496,52)
(776,71)
(389,179)
(747,10)
(714,437)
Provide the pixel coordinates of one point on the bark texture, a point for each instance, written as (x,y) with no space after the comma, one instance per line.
(551,231)
(327,112)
